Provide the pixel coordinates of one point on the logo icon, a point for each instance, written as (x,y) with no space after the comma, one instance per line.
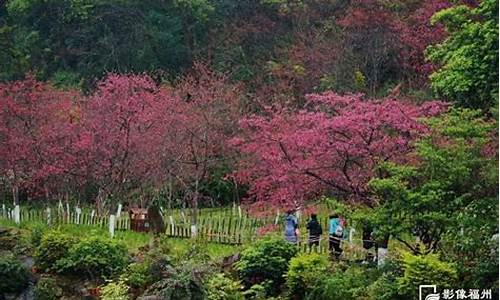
(434,295)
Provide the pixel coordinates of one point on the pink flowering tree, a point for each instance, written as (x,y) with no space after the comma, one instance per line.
(121,131)
(35,121)
(415,34)
(331,148)
(197,124)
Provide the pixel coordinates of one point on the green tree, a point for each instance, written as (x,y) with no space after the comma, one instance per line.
(468,58)
(449,197)
(85,39)
(432,197)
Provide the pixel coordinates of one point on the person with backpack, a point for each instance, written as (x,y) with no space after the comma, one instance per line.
(315,230)
(336,233)
(291,227)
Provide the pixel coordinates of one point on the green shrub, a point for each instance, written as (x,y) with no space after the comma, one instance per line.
(9,238)
(304,272)
(54,245)
(13,275)
(159,266)
(138,275)
(385,287)
(183,282)
(258,291)
(423,269)
(47,289)
(266,259)
(222,287)
(37,233)
(115,291)
(343,284)
(197,251)
(94,257)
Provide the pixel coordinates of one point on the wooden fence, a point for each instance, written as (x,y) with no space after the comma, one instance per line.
(217,227)
(222,226)
(55,216)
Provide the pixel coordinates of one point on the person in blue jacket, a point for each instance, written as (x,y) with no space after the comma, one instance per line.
(291,227)
(336,233)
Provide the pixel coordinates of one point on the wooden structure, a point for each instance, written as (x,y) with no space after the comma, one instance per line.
(139,220)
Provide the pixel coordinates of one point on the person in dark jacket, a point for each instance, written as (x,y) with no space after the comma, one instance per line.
(315,230)
(368,242)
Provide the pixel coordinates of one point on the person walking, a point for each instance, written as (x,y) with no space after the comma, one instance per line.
(315,230)
(291,227)
(368,242)
(336,233)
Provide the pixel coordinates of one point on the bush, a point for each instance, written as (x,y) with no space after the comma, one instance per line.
(304,272)
(423,269)
(258,291)
(266,259)
(385,287)
(183,282)
(37,233)
(54,245)
(47,289)
(160,266)
(138,275)
(115,291)
(221,287)
(348,284)
(13,275)
(9,238)
(94,257)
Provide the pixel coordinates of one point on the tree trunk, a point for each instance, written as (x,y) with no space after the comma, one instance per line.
(15,194)
(194,211)
(156,220)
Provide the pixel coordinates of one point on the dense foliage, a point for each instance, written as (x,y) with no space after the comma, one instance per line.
(469,56)
(223,287)
(446,208)
(47,289)
(94,257)
(342,284)
(182,282)
(13,275)
(72,44)
(418,270)
(138,275)
(115,291)
(54,246)
(303,272)
(266,260)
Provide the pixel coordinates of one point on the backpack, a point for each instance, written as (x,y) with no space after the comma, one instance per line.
(339,231)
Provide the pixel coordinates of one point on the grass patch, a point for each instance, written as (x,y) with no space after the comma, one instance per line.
(179,248)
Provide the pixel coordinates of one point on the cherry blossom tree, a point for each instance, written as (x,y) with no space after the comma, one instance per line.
(121,129)
(197,125)
(333,147)
(35,120)
(416,33)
